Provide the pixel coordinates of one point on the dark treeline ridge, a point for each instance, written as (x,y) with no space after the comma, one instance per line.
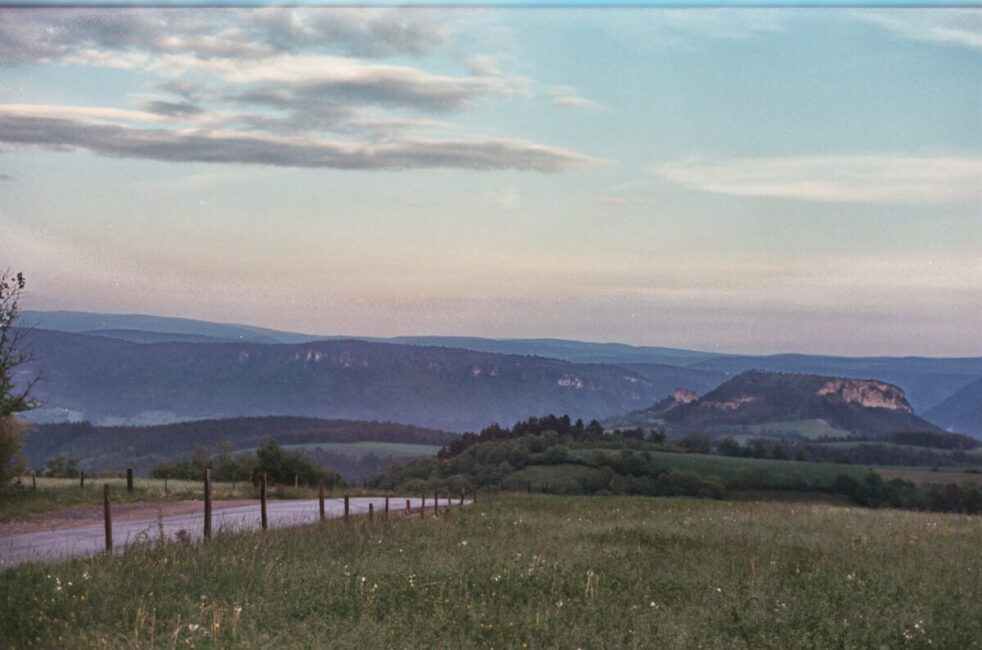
(948,450)
(117,444)
(560,424)
(931,439)
(873,492)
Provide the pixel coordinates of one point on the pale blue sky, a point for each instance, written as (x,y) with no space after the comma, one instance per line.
(750,181)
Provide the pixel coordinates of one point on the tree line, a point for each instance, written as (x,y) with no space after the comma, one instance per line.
(280,466)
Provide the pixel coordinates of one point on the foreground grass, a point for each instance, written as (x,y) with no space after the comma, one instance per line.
(538,572)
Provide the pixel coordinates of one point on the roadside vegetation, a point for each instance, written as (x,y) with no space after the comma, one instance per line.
(537,572)
(280,466)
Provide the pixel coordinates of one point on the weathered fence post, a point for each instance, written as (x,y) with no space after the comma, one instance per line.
(81,481)
(34,481)
(207,504)
(371,511)
(409,508)
(422,507)
(347,507)
(386,507)
(320,497)
(296,480)
(262,500)
(129,479)
(530,487)
(436,503)
(108,515)
(462,492)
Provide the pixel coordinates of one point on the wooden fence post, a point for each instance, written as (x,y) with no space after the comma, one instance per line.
(108,514)
(262,500)
(462,492)
(207,504)
(296,480)
(81,481)
(436,503)
(530,487)
(371,511)
(347,507)
(129,479)
(320,497)
(34,481)
(386,507)
(422,507)
(409,508)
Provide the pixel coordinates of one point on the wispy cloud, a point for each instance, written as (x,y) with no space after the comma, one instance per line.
(266,149)
(289,81)
(872,179)
(50,35)
(277,86)
(955,27)
(93,113)
(568,96)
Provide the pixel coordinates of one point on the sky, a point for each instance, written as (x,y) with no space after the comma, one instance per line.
(748,181)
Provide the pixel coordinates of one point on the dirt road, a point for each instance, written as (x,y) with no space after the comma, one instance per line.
(58,536)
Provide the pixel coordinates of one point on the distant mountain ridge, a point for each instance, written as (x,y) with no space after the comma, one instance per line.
(962,411)
(165,328)
(928,383)
(101,378)
(92,322)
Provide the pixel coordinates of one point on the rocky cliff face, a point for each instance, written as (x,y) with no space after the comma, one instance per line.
(868,393)
(861,406)
(679,397)
(683,396)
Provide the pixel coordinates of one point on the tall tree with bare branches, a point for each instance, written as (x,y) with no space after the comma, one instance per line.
(15,396)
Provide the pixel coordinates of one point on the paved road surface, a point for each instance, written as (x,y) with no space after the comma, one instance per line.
(89,540)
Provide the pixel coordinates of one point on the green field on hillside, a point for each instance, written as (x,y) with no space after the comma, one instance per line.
(530,572)
(808,429)
(780,473)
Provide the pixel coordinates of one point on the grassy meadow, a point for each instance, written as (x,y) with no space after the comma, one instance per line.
(535,572)
(361,449)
